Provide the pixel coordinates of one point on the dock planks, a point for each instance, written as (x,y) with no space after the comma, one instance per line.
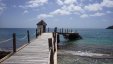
(36,52)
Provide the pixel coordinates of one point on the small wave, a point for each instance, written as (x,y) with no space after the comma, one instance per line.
(86,54)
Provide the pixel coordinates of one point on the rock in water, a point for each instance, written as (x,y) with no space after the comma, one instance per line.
(110,27)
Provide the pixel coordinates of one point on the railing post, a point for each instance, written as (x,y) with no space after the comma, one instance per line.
(65,30)
(62,30)
(58,39)
(48,29)
(52,57)
(36,33)
(14,42)
(55,30)
(28,36)
(51,50)
(71,31)
(50,43)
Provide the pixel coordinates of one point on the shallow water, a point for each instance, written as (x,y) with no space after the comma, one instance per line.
(96,47)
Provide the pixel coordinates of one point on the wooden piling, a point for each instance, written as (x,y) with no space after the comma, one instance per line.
(71,30)
(65,30)
(50,43)
(55,29)
(48,29)
(58,38)
(28,36)
(14,42)
(52,57)
(36,33)
(62,30)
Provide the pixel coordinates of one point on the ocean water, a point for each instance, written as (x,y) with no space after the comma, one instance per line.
(21,37)
(96,47)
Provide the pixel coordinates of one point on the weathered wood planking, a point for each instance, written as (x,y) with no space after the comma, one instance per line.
(36,52)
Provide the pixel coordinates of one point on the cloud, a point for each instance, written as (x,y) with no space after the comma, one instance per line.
(73,7)
(25,11)
(109,12)
(98,14)
(99,6)
(36,3)
(33,4)
(66,2)
(54,13)
(93,7)
(107,3)
(60,12)
(2,7)
(84,16)
(59,2)
(64,10)
(44,16)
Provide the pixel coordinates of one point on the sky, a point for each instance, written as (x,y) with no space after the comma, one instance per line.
(56,13)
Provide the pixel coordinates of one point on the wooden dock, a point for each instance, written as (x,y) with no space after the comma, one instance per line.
(37,52)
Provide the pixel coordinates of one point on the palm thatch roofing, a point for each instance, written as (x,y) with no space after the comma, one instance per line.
(42,23)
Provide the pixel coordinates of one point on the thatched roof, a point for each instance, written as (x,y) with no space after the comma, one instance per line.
(41,23)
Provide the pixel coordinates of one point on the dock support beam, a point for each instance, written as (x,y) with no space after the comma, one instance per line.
(36,33)
(14,42)
(28,36)
(58,38)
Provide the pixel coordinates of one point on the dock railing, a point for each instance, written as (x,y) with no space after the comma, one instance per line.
(52,42)
(61,30)
(16,42)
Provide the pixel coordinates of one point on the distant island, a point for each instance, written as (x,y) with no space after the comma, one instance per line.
(110,27)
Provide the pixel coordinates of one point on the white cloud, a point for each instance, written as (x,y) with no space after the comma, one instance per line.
(69,1)
(2,7)
(33,3)
(36,3)
(84,16)
(93,7)
(54,13)
(60,12)
(72,8)
(44,16)
(64,10)
(109,12)
(99,6)
(107,3)
(66,2)
(26,11)
(98,14)
(59,2)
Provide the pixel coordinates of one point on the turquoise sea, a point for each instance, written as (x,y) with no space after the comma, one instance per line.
(96,47)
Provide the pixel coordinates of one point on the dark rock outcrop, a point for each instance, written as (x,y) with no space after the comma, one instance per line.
(110,27)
